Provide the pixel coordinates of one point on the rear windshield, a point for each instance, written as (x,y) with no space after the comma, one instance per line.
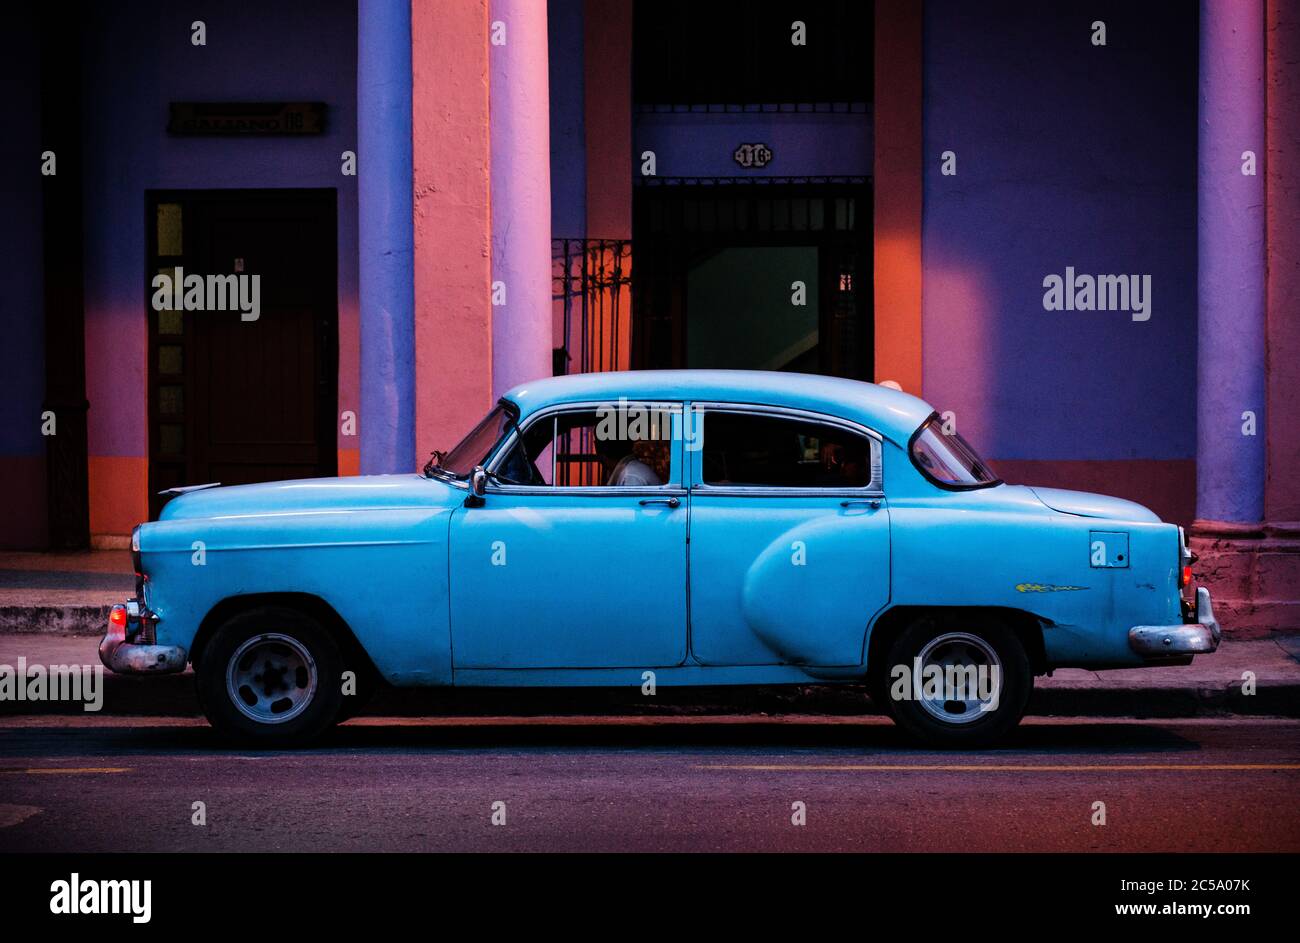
(947,459)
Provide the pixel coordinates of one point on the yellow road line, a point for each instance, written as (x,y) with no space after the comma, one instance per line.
(42,771)
(1005,768)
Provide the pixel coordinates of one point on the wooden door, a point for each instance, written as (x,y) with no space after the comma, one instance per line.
(236,400)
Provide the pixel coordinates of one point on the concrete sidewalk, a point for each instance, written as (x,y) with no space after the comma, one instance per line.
(1211,686)
(64,593)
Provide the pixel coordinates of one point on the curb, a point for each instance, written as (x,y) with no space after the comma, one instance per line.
(1204,700)
(174,696)
(54,620)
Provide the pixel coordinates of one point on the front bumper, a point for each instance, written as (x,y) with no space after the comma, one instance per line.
(127,647)
(1193,638)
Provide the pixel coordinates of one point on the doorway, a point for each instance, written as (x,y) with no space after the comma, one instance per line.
(762,276)
(234,399)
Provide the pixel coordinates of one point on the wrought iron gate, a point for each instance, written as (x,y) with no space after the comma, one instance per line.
(591,285)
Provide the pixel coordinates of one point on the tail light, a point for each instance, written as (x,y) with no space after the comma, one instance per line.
(137,563)
(1185,560)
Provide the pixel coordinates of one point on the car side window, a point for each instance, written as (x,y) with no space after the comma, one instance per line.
(623,446)
(744,449)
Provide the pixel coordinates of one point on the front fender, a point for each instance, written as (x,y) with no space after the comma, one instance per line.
(384,571)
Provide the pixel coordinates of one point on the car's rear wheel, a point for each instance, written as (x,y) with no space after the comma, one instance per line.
(270,677)
(967,682)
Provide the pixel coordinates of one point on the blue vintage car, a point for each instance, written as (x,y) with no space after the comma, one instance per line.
(660,528)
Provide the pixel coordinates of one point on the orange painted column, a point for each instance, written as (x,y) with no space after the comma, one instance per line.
(607,118)
(119,498)
(898,193)
(453,218)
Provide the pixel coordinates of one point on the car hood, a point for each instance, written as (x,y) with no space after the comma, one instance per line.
(1086,504)
(313,494)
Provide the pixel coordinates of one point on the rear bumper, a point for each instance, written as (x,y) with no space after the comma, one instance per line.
(1192,638)
(134,655)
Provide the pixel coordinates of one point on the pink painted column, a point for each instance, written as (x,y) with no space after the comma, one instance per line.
(521,193)
(1230,333)
(449,142)
(1248,499)
(1278,575)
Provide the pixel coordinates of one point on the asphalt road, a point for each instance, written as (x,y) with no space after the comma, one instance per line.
(661,784)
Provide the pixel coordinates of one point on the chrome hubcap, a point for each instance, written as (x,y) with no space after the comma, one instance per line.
(976,692)
(271,678)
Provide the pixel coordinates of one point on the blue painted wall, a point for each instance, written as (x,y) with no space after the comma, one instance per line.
(386,237)
(1068,154)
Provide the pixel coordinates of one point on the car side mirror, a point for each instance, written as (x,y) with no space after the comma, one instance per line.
(477,487)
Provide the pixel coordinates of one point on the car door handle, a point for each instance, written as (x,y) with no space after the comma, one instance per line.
(671,502)
(873,503)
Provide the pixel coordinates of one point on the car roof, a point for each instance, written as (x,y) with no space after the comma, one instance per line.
(892,413)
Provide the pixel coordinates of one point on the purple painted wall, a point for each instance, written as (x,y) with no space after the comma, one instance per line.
(138,57)
(21,183)
(566,64)
(1067,154)
(700,144)
(22,449)
(386,236)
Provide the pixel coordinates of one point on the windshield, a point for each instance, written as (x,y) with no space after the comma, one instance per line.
(947,459)
(474,448)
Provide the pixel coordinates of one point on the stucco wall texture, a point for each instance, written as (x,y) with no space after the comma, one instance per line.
(22,448)
(1282,489)
(128,152)
(451,156)
(1231,417)
(386,237)
(1068,154)
(518,102)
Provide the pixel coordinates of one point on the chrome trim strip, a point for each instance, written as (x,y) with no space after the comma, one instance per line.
(874,489)
(756,491)
(630,491)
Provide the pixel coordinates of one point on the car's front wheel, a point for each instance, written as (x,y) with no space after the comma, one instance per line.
(270,677)
(957,683)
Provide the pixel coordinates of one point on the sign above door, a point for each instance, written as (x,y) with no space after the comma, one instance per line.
(246,118)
